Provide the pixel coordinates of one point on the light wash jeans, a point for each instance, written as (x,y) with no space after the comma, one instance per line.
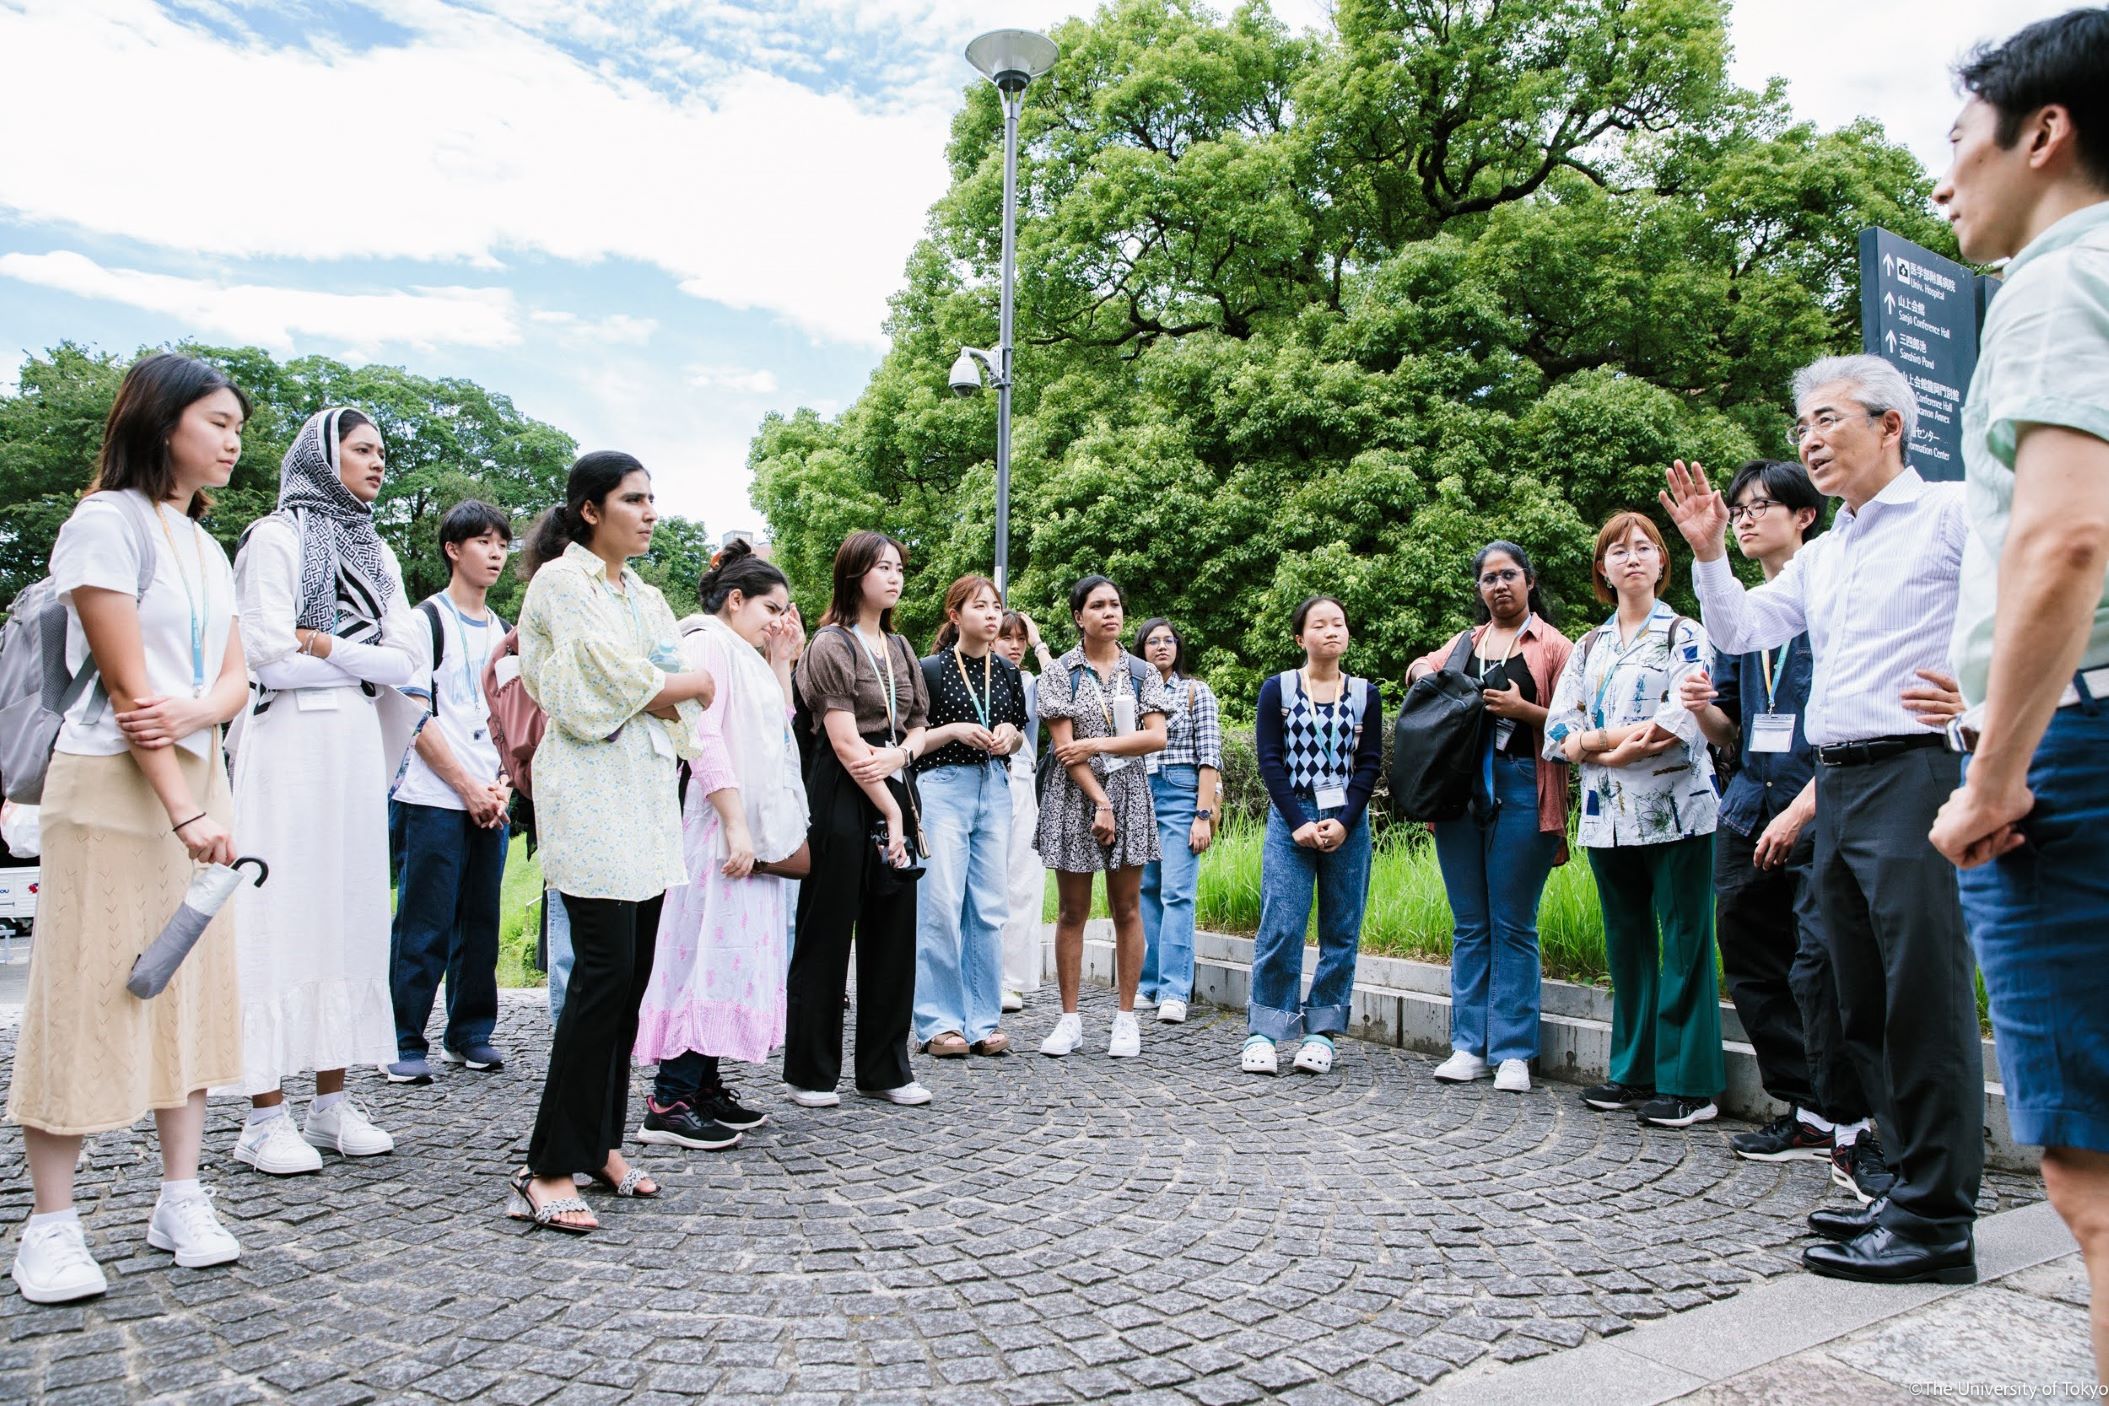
(1168,889)
(1289,875)
(1495,874)
(559,937)
(960,909)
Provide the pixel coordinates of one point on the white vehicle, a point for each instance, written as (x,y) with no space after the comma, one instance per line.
(18,907)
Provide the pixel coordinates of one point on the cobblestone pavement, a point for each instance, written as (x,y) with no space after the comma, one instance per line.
(1047,1230)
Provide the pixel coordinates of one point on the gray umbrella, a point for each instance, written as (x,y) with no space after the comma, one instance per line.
(209,890)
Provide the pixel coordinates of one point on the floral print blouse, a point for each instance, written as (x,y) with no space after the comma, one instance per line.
(1608,684)
(604,796)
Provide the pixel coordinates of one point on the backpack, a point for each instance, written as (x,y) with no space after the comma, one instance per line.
(1045,769)
(36,692)
(439,645)
(517,721)
(1435,741)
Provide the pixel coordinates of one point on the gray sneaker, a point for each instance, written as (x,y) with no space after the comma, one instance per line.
(412,1070)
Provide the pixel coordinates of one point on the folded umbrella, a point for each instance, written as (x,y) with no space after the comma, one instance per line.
(207,892)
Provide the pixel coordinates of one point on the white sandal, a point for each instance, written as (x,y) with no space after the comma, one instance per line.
(1258,1056)
(1316,1055)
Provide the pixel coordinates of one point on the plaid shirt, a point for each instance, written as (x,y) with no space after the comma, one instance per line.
(1193,730)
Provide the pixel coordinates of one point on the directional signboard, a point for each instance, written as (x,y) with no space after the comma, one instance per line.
(1922,312)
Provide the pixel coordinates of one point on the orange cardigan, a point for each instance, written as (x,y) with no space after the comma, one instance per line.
(1545,651)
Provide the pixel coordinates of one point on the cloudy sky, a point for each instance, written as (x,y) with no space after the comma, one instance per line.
(648,221)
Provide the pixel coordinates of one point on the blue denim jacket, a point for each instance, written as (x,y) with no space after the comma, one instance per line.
(1764,782)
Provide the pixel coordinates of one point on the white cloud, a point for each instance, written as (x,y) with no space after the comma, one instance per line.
(733,378)
(276,317)
(615,329)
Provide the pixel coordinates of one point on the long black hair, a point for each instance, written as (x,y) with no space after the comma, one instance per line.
(1151,626)
(737,568)
(591,480)
(1535,602)
(149,406)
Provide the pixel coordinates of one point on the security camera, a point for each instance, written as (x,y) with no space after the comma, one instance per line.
(965,379)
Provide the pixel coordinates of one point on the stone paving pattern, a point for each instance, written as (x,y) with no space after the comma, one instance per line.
(1046,1231)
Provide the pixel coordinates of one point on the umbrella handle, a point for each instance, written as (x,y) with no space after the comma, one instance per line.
(263,870)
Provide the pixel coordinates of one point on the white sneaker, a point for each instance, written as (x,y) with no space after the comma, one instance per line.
(1461,1068)
(52,1264)
(1172,1013)
(1013,1001)
(1145,1003)
(812,1098)
(1067,1034)
(1315,1055)
(1513,1077)
(275,1146)
(344,1129)
(1126,1039)
(1258,1056)
(190,1228)
(908,1095)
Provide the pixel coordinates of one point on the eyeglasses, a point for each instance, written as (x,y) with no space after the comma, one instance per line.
(1625,553)
(1500,578)
(1750,511)
(1824,423)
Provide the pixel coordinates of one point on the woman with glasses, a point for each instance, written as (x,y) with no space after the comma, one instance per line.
(1184,787)
(1496,859)
(1648,812)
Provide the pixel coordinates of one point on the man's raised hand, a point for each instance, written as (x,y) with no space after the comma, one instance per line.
(1697,508)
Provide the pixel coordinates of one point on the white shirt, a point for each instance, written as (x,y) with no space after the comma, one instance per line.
(464,714)
(1877,596)
(99,547)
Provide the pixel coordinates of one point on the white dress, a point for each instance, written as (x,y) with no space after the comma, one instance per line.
(311,778)
(1025,878)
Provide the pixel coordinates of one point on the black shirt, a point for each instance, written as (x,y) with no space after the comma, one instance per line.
(954,695)
(1523,739)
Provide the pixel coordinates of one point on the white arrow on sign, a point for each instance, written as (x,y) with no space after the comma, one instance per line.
(1889,304)
(1889,342)
(1889,266)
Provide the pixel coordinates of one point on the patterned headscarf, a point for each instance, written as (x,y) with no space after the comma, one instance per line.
(343,566)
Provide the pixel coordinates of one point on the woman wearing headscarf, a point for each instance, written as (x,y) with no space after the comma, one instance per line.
(324,622)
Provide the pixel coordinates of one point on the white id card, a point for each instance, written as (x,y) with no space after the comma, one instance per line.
(1504,729)
(315,700)
(1772,732)
(1330,797)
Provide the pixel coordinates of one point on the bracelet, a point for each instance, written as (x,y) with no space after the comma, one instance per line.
(192,821)
(1105,805)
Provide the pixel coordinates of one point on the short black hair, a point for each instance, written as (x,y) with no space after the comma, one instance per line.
(472,517)
(1787,484)
(2060,60)
(1180,662)
(1311,603)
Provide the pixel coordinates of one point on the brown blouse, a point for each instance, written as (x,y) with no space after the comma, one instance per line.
(835,675)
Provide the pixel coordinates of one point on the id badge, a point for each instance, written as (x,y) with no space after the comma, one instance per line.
(662,745)
(1772,732)
(316,700)
(1113,764)
(1331,797)
(1504,729)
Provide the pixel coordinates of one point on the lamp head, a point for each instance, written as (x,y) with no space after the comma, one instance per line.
(1012,58)
(965,378)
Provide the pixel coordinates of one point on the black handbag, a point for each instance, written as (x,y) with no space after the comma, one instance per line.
(1436,741)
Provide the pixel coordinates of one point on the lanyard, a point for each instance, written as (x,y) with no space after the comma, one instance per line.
(1514,640)
(987,700)
(1610,670)
(1778,670)
(464,625)
(892,697)
(197,615)
(1327,729)
(1105,704)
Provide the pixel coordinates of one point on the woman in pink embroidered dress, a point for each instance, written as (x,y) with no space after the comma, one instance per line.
(717,987)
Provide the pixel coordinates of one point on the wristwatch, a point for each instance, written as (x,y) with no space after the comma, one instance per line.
(1208,815)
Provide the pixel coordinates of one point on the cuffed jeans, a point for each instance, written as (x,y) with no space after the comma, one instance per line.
(1168,888)
(1659,943)
(1494,872)
(446,921)
(960,913)
(1289,875)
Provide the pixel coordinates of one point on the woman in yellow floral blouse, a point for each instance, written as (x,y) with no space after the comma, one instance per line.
(598,654)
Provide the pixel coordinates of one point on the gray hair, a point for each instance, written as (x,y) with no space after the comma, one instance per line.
(1876,384)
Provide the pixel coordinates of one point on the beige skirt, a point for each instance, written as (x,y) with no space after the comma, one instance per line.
(92,1056)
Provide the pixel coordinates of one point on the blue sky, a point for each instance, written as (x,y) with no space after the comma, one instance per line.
(648,221)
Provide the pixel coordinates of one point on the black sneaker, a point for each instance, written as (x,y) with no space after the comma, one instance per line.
(678,1125)
(720,1106)
(1677,1111)
(1784,1139)
(1614,1096)
(1860,1168)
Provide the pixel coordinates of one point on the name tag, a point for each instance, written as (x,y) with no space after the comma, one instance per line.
(1331,797)
(1113,764)
(316,700)
(1504,729)
(1772,732)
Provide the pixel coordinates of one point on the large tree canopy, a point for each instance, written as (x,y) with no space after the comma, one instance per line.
(1328,313)
(446,440)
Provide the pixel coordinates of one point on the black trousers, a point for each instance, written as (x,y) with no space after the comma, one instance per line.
(1906,990)
(848,895)
(586,1098)
(1780,978)
(683,1076)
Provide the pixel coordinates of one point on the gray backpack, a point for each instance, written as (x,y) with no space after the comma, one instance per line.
(36,692)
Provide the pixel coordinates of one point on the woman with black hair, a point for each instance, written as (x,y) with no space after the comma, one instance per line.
(717,987)
(134,797)
(598,655)
(865,703)
(328,632)
(1185,788)
(1104,710)
(1495,860)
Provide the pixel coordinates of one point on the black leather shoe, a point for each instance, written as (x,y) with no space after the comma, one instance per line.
(1882,1256)
(1834,1224)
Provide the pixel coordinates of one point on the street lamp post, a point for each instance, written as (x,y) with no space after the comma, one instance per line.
(1011,59)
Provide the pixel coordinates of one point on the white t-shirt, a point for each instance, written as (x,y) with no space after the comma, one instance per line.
(464,713)
(99,547)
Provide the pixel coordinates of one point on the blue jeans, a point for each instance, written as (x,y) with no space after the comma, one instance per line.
(2039,919)
(1168,888)
(446,922)
(960,909)
(558,932)
(1495,874)
(1289,874)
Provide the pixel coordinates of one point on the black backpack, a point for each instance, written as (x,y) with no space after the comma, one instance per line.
(1435,741)
(1047,766)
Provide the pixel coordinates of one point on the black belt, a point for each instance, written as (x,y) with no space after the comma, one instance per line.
(1877,749)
